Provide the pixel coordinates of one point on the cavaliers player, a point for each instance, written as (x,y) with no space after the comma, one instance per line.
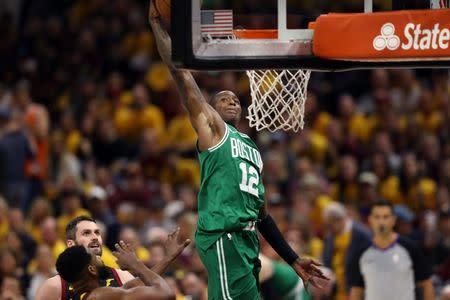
(84,231)
(86,272)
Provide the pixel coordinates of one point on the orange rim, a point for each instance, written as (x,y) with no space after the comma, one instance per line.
(256,33)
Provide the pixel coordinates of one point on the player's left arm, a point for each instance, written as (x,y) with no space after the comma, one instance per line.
(307,269)
(428,289)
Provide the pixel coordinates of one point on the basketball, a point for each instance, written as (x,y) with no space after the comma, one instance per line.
(163,8)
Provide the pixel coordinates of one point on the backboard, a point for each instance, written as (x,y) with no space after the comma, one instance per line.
(327,42)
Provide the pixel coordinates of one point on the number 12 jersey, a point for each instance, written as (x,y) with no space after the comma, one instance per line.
(231,190)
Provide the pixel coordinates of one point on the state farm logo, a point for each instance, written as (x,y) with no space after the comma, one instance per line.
(387,39)
(416,38)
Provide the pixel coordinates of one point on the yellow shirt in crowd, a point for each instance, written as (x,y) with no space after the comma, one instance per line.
(180,133)
(4,229)
(418,196)
(341,243)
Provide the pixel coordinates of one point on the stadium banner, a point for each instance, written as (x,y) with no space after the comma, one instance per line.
(383,36)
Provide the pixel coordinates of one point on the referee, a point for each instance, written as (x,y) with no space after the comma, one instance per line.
(390,267)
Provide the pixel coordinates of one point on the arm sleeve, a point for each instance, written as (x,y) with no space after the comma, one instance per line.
(354,274)
(273,236)
(422,269)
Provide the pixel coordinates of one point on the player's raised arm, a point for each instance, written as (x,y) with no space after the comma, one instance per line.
(173,250)
(127,260)
(205,120)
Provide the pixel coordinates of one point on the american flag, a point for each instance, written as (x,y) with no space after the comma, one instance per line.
(217,22)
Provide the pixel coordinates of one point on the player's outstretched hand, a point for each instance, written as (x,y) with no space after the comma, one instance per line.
(309,272)
(173,248)
(126,258)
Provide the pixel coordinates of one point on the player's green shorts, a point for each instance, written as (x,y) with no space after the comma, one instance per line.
(233,266)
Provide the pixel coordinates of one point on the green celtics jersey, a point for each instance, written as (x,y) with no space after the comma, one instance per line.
(231,190)
(287,283)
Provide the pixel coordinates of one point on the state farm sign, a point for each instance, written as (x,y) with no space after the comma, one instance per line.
(415,37)
(385,36)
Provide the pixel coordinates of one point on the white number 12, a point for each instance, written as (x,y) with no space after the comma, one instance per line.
(250,179)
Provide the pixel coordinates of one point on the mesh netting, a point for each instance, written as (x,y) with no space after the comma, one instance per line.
(278,99)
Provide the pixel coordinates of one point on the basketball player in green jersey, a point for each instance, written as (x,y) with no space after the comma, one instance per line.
(231,197)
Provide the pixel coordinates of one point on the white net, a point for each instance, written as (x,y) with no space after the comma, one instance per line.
(278,99)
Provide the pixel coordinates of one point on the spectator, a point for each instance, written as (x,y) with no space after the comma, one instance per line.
(108,146)
(18,238)
(64,164)
(50,237)
(193,286)
(98,207)
(36,122)
(388,185)
(430,151)
(383,144)
(40,210)
(157,253)
(311,244)
(311,187)
(11,289)
(178,170)
(15,149)
(341,245)
(368,191)
(355,123)
(150,116)
(22,247)
(188,195)
(174,286)
(71,208)
(418,192)
(345,188)
(44,269)
(129,236)
(11,268)
(180,134)
(404,224)
(133,191)
(150,155)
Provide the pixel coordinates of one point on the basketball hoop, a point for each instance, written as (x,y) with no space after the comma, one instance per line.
(278,96)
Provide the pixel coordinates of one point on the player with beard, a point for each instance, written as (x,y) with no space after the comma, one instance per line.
(84,231)
(85,271)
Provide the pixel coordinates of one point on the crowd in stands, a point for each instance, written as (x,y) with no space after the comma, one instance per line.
(91,124)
